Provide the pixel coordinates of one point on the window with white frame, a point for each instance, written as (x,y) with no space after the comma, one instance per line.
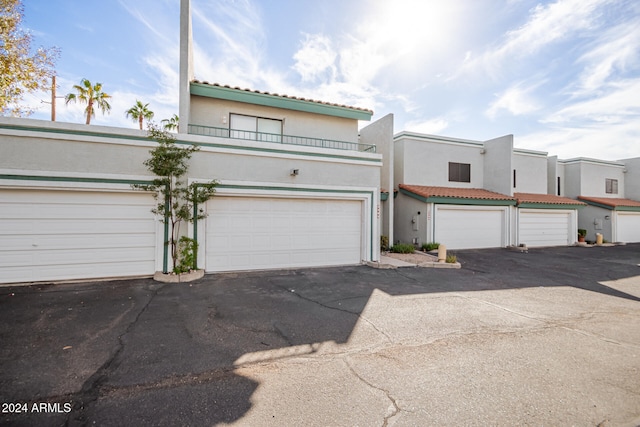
(255,128)
(611,186)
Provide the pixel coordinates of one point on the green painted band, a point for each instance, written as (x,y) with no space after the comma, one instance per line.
(74,179)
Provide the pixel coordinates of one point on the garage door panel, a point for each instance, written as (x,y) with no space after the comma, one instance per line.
(282,233)
(544,228)
(470,228)
(61,234)
(78,242)
(64,272)
(628,225)
(64,227)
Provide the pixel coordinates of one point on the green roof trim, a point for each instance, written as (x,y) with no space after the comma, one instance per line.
(459,200)
(612,208)
(277,101)
(548,206)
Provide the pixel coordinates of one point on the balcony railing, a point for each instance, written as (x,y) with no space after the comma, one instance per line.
(279,139)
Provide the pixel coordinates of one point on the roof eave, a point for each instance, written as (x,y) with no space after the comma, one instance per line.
(458,200)
(277,101)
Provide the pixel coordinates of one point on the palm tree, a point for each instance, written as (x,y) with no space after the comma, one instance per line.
(139,112)
(91,95)
(170,124)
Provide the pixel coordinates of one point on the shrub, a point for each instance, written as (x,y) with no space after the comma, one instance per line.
(402,248)
(582,232)
(430,246)
(188,248)
(451,259)
(384,243)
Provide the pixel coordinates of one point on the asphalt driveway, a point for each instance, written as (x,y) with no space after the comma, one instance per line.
(549,337)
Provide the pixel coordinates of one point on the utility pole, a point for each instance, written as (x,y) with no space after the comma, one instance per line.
(53,99)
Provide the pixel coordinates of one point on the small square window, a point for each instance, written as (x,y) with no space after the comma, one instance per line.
(459,172)
(611,186)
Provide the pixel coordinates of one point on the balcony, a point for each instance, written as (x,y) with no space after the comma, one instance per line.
(279,138)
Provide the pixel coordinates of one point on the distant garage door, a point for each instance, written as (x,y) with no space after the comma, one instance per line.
(628,224)
(464,227)
(540,227)
(249,233)
(60,235)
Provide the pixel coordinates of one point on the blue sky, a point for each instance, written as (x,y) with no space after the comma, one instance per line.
(562,76)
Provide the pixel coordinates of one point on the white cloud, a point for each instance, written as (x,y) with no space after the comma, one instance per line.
(547,24)
(316,58)
(600,141)
(620,104)
(517,100)
(430,126)
(615,51)
(236,31)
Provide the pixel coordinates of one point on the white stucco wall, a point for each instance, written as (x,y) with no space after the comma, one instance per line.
(555,171)
(214,112)
(498,167)
(380,134)
(103,150)
(587,177)
(531,171)
(406,209)
(424,160)
(591,217)
(632,178)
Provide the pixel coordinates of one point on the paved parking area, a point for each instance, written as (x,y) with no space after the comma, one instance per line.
(550,337)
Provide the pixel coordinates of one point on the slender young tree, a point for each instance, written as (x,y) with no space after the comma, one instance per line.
(176,199)
(139,113)
(92,95)
(22,71)
(170,124)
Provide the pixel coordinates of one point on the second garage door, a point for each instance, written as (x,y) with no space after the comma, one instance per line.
(462,227)
(541,227)
(628,226)
(250,233)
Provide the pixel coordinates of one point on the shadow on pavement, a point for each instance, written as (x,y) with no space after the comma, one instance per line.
(137,352)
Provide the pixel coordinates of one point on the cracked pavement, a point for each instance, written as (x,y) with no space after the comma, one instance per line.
(551,337)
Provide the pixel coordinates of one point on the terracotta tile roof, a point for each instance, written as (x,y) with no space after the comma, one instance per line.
(610,201)
(457,193)
(548,199)
(285,96)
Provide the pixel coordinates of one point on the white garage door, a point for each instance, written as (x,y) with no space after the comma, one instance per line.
(61,235)
(544,228)
(628,226)
(462,227)
(249,233)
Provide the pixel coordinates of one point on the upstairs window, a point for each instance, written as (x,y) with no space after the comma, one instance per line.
(459,172)
(255,128)
(611,186)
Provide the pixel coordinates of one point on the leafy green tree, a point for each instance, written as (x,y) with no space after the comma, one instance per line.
(176,199)
(21,71)
(170,124)
(139,112)
(92,95)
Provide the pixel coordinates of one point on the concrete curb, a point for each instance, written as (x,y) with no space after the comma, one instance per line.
(159,276)
(390,263)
